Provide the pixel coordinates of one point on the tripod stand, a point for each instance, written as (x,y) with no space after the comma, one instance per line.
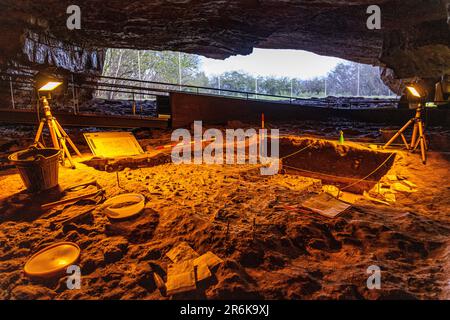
(418,135)
(57,134)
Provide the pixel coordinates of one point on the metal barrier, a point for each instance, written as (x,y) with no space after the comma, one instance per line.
(137,87)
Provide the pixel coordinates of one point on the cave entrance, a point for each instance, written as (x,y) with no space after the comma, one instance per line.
(292,74)
(144,81)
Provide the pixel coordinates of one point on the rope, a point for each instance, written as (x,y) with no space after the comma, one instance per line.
(334,176)
(298,151)
(323,174)
(228,226)
(376,169)
(352,184)
(257,166)
(356,180)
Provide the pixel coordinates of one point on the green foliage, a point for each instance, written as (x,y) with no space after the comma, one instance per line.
(343,81)
(160,66)
(165,67)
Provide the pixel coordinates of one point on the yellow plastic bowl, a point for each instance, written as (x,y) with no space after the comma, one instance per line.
(52,260)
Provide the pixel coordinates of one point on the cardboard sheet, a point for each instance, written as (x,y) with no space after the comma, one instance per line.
(181,277)
(188,268)
(180,267)
(179,283)
(202,272)
(209,259)
(181,272)
(326,205)
(182,252)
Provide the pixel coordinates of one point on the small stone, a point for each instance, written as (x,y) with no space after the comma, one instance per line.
(114,249)
(32,292)
(144,276)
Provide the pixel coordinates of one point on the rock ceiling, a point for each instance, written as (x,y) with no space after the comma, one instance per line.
(413,41)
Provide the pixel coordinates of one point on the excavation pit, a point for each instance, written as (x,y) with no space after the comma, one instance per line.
(349,166)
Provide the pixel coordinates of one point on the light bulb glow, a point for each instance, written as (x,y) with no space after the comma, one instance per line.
(413,91)
(49,86)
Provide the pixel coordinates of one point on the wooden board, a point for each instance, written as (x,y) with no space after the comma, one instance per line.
(27,116)
(113,144)
(188,107)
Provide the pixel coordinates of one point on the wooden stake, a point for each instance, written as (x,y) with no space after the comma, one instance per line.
(254,227)
(118,180)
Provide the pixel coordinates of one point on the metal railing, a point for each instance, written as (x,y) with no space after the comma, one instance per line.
(135,87)
(175,87)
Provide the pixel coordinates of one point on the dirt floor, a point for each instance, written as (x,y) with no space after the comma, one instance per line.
(269,250)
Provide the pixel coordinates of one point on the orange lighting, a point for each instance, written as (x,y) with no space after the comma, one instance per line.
(49,86)
(413,91)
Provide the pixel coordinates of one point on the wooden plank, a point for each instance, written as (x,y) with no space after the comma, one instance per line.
(83,120)
(186,108)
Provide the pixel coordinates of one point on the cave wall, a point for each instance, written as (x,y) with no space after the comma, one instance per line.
(43,51)
(413,41)
(28,47)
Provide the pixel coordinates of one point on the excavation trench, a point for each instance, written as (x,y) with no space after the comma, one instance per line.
(351,167)
(348,166)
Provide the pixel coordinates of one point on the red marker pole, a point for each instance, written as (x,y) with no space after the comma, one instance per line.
(261,141)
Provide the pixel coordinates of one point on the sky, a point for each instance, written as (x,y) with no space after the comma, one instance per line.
(274,62)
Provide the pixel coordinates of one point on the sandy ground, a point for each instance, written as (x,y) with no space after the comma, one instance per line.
(269,251)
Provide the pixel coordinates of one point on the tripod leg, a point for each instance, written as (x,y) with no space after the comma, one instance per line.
(398,133)
(422,143)
(51,128)
(404,141)
(424,136)
(39,133)
(62,141)
(65,135)
(54,130)
(416,145)
(66,151)
(414,136)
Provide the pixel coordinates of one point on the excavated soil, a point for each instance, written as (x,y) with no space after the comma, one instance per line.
(269,250)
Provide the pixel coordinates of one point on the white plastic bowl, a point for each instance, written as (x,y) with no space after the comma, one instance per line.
(137,200)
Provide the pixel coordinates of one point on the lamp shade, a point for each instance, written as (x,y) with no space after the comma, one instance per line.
(50,86)
(414,91)
(47,83)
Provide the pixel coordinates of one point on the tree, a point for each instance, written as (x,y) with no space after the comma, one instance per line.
(154,66)
(164,66)
(312,87)
(343,80)
(238,81)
